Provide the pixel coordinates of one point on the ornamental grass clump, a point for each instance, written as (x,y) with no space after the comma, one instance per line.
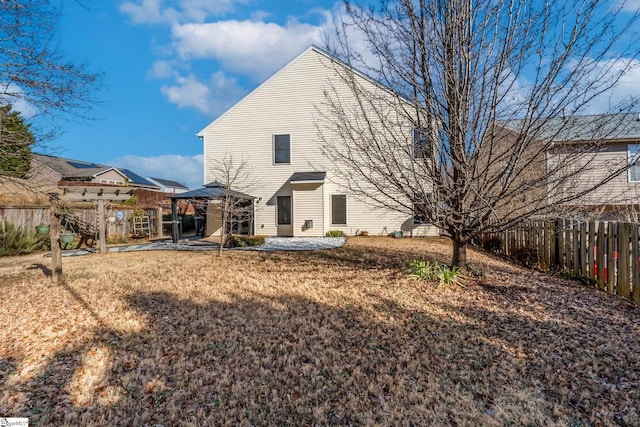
(434,270)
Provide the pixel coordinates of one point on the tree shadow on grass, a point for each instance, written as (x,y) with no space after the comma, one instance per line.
(254,359)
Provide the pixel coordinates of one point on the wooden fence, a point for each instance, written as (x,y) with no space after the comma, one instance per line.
(117,218)
(608,253)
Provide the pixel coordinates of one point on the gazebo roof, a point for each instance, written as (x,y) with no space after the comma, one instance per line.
(213,190)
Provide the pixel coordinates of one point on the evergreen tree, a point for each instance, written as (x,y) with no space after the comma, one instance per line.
(16,140)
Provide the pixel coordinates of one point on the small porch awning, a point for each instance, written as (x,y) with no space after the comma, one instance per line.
(308,178)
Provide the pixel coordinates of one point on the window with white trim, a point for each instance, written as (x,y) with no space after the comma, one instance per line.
(633,154)
(284,210)
(421,144)
(338,209)
(282,149)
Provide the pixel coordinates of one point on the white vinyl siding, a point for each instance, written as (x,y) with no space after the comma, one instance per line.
(633,154)
(246,131)
(308,206)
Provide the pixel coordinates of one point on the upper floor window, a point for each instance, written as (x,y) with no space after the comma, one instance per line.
(633,154)
(421,144)
(282,149)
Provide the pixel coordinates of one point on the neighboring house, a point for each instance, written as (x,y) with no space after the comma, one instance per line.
(586,149)
(273,129)
(168,186)
(47,169)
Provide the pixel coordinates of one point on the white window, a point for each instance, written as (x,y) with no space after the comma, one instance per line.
(284,210)
(282,149)
(339,209)
(633,154)
(421,144)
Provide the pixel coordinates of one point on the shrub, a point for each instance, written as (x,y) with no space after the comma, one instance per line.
(491,244)
(433,270)
(240,241)
(421,269)
(334,233)
(527,256)
(20,241)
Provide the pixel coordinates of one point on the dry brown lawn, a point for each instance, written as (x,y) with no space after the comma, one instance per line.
(317,338)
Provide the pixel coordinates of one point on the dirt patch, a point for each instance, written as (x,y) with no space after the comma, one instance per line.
(324,337)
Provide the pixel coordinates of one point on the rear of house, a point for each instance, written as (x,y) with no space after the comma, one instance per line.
(274,130)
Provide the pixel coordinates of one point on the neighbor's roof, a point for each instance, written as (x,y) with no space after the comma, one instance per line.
(307,177)
(135,179)
(168,183)
(213,190)
(70,168)
(585,128)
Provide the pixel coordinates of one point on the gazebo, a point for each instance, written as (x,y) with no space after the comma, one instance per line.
(201,198)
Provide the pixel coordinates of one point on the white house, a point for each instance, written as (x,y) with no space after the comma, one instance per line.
(274,130)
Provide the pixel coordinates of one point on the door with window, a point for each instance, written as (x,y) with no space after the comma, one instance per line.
(284,215)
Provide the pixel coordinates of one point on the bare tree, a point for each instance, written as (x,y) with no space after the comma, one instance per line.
(480,92)
(235,206)
(35,77)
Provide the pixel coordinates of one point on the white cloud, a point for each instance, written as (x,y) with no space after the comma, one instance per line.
(253,48)
(158,11)
(12,94)
(626,90)
(161,70)
(212,98)
(629,5)
(184,169)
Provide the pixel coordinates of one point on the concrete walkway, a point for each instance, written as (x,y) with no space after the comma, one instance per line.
(271,244)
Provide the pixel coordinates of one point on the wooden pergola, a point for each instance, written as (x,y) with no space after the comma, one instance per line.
(79,192)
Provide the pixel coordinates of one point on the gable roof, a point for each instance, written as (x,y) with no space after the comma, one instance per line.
(70,168)
(623,126)
(313,48)
(168,183)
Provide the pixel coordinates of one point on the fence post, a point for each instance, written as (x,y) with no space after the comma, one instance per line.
(600,250)
(624,288)
(568,245)
(559,224)
(583,248)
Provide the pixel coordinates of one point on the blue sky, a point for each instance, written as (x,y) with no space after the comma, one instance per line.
(170,68)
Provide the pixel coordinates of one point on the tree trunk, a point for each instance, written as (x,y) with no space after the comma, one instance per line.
(459,258)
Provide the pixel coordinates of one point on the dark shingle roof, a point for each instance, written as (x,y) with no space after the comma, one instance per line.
(70,168)
(585,128)
(300,177)
(213,190)
(168,183)
(136,179)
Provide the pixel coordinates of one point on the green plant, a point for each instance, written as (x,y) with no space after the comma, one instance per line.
(447,275)
(21,241)
(421,269)
(240,241)
(334,233)
(433,270)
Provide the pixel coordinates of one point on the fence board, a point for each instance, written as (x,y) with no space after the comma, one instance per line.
(600,255)
(611,267)
(591,249)
(623,260)
(635,259)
